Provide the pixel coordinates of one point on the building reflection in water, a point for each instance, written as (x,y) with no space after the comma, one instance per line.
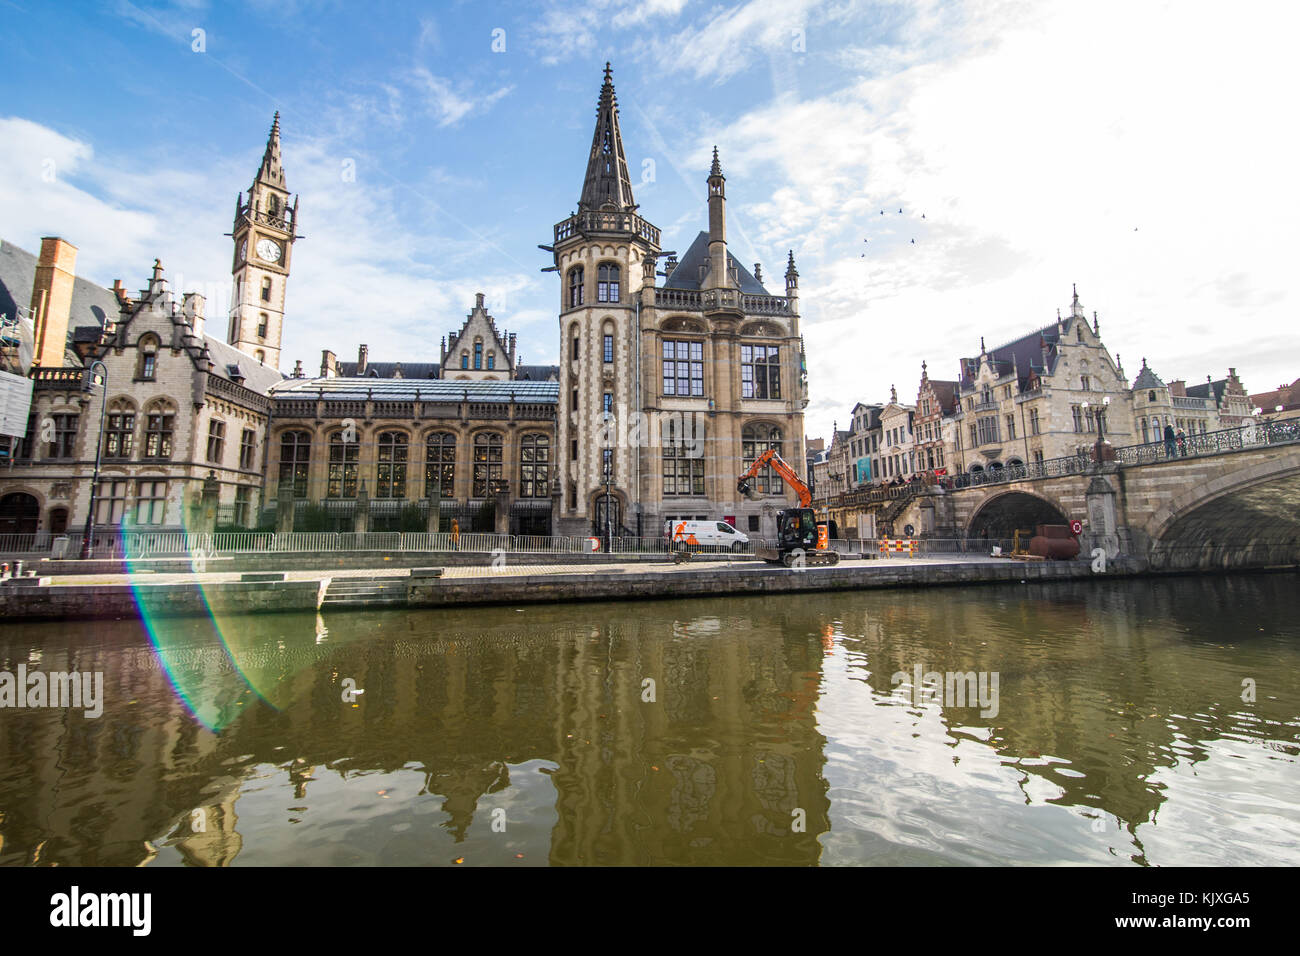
(724,765)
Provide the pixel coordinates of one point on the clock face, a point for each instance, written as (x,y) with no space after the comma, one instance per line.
(243,250)
(268,250)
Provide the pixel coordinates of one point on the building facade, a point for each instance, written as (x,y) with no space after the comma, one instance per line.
(667,393)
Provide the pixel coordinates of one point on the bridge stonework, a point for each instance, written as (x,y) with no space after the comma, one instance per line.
(1237,508)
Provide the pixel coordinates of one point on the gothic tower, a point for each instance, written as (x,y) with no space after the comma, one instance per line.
(603,253)
(264,232)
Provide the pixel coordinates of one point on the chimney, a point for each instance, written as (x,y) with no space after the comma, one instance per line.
(193,305)
(363,359)
(297,369)
(1178,388)
(52,300)
(328,367)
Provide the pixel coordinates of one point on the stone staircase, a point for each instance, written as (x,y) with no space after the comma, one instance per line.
(366,592)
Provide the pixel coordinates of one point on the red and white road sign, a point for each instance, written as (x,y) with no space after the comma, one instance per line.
(1076,526)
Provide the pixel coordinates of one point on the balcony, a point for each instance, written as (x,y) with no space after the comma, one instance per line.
(721,300)
(592,221)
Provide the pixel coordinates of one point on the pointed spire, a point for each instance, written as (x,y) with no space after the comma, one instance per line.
(716,169)
(1076,307)
(1096,330)
(271,171)
(790,270)
(607,182)
(981,345)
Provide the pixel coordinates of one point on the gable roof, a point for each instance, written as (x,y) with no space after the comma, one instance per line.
(690,269)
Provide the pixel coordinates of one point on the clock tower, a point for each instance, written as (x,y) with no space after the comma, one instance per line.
(264,232)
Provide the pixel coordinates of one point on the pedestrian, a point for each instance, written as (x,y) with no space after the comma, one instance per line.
(1171,442)
(455,535)
(1182,443)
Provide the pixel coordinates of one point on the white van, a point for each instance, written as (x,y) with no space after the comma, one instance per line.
(706,534)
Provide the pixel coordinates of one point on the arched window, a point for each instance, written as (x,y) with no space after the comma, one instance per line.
(464,360)
(535,467)
(683,461)
(492,360)
(1151,395)
(160,419)
(390,471)
(342,474)
(295,456)
(440,465)
(607,284)
(148,365)
(261,325)
(1146,437)
(756,439)
(575,287)
(487,464)
(119,430)
(478,355)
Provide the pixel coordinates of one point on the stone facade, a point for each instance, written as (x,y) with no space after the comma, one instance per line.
(667,391)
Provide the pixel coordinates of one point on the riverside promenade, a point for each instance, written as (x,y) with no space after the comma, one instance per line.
(188,593)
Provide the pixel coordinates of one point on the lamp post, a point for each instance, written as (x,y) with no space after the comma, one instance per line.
(87,386)
(1102,451)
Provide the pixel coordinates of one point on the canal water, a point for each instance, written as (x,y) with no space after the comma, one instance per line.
(1150,722)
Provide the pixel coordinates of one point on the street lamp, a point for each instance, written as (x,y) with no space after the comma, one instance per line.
(87,385)
(1103,451)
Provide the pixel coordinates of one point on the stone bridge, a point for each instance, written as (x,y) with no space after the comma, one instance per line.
(1221,507)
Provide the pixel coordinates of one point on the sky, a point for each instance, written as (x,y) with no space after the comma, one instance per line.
(1144,151)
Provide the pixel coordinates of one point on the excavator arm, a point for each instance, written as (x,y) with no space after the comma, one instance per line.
(780,466)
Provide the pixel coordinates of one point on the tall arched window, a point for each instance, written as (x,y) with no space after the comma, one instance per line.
(756,439)
(478,355)
(576,297)
(119,430)
(607,284)
(390,470)
(440,465)
(683,461)
(535,467)
(160,419)
(342,474)
(487,464)
(295,457)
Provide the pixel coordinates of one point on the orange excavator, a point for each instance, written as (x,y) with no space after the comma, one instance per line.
(801,538)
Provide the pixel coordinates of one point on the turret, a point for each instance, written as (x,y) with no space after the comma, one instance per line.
(792,283)
(718,277)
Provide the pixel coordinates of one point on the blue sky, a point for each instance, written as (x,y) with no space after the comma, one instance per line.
(1140,149)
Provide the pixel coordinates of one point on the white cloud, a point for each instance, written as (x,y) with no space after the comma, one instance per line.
(1137,149)
(447,105)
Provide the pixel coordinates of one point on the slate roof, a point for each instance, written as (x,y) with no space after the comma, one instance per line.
(386,369)
(91,303)
(1205,389)
(1148,379)
(430,389)
(1024,355)
(257,376)
(687,273)
(946,394)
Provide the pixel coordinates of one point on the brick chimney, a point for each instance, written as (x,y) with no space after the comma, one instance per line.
(363,359)
(328,366)
(52,300)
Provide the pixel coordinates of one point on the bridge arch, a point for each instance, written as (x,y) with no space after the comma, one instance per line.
(1247,517)
(1012,509)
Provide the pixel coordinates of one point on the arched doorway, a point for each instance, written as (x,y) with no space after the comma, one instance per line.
(1002,515)
(19,513)
(615,508)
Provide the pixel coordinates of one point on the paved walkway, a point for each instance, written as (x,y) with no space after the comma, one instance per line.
(594,570)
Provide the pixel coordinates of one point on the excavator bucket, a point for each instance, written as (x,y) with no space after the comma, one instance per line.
(743,487)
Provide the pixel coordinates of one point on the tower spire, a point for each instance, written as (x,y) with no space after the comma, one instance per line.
(719,276)
(271,171)
(607,185)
